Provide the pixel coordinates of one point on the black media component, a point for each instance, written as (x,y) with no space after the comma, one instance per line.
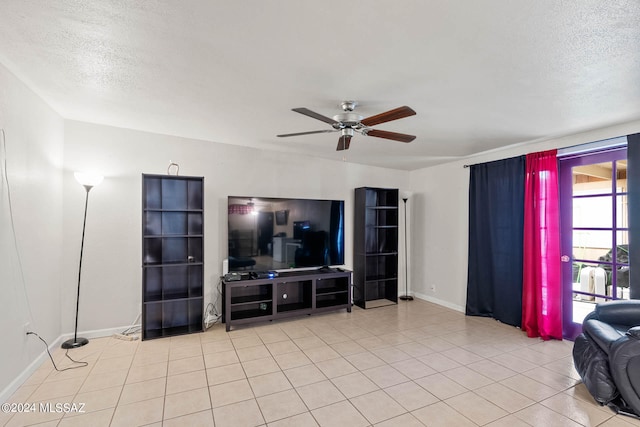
(299,228)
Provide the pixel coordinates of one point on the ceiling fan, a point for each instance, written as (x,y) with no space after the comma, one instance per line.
(348,122)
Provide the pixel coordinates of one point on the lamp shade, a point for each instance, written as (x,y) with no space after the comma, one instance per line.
(88,179)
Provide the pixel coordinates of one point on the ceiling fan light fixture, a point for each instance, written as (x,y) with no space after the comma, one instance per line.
(348,119)
(348,105)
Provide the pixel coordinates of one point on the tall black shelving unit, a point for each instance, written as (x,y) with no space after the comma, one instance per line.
(172,255)
(375,274)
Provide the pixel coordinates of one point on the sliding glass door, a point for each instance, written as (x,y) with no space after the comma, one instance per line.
(595,233)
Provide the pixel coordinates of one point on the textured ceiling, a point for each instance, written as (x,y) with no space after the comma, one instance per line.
(479,74)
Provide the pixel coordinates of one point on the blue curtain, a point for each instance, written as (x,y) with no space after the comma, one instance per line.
(633,188)
(496,229)
(336,233)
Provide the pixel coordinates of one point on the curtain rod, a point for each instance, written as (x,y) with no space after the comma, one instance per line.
(580,148)
(490,161)
(595,145)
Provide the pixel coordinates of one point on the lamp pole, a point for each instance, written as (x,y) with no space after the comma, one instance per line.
(406,296)
(88,182)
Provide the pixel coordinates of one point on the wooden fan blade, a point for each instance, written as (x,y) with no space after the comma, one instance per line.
(398,113)
(314,115)
(343,142)
(402,137)
(307,133)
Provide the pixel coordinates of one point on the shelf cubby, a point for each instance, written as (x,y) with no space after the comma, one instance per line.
(251,294)
(331,300)
(294,295)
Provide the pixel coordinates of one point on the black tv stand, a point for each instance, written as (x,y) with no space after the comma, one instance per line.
(292,293)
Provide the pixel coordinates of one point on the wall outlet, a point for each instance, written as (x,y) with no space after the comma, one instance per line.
(26,328)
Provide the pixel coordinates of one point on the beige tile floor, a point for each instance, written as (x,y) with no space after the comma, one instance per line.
(412,364)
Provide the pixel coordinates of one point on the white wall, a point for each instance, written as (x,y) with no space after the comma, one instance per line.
(112,273)
(30,266)
(439,239)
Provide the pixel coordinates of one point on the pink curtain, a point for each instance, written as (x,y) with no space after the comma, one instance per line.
(542,279)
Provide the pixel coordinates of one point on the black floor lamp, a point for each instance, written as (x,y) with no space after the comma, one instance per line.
(88,182)
(406,296)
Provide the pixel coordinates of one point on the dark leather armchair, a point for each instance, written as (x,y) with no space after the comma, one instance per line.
(607,355)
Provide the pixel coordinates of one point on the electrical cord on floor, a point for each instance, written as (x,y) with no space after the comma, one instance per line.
(46,346)
(218,293)
(134,328)
(211,308)
(206,324)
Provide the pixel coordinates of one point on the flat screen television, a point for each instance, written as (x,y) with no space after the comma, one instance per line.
(260,239)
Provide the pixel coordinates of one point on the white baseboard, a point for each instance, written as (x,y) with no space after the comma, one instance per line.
(27,372)
(440,302)
(96,333)
(44,357)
